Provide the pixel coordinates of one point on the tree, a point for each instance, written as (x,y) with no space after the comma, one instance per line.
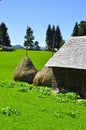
(58,38)
(29,38)
(36,45)
(75,30)
(79,29)
(4,37)
(62,42)
(49,40)
(53,38)
(82,28)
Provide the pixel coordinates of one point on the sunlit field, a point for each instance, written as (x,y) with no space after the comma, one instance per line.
(24,106)
(9,61)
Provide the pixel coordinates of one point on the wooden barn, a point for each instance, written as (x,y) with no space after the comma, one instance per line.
(69,66)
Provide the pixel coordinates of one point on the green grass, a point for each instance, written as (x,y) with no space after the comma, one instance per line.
(9,61)
(26,107)
(37,108)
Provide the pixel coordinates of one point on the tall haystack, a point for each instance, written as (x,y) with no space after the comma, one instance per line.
(25,71)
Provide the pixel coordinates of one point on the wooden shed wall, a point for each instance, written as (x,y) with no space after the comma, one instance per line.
(70,80)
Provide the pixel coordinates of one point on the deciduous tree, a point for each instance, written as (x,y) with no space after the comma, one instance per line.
(36,45)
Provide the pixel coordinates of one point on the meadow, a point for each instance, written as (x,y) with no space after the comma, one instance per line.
(27,107)
(10,59)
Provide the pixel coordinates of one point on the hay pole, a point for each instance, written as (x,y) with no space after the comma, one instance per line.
(26,51)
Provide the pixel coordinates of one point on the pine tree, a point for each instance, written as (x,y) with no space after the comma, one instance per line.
(79,29)
(29,38)
(49,40)
(53,38)
(82,28)
(4,37)
(75,30)
(58,38)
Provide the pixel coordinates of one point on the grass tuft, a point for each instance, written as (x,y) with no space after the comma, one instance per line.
(8,111)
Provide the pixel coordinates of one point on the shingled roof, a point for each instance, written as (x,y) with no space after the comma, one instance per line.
(71,55)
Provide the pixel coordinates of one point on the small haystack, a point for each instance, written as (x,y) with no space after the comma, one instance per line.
(25,71)
(43,77)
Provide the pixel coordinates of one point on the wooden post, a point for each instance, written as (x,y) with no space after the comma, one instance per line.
(26,51)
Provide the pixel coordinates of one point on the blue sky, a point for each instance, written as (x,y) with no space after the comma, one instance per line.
(37,14)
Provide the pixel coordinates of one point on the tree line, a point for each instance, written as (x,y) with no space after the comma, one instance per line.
(79,29)
(53,37)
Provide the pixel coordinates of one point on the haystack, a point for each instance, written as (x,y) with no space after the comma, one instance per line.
(43,77)
(25,71)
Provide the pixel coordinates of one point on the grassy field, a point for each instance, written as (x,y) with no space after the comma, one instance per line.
(9,61)
(26,107)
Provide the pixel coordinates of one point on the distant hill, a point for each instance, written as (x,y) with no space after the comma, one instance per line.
(42,48)
(18,46)
(21,47)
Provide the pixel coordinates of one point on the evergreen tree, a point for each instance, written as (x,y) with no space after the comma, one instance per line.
(36,45)
(58,38)
(49,40)
(4,37)
(82,28)
(75,30)
(53,30)
(79,29)
(29,38)
(62,42)
(53,37)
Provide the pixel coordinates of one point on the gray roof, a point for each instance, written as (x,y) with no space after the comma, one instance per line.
(71,55)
